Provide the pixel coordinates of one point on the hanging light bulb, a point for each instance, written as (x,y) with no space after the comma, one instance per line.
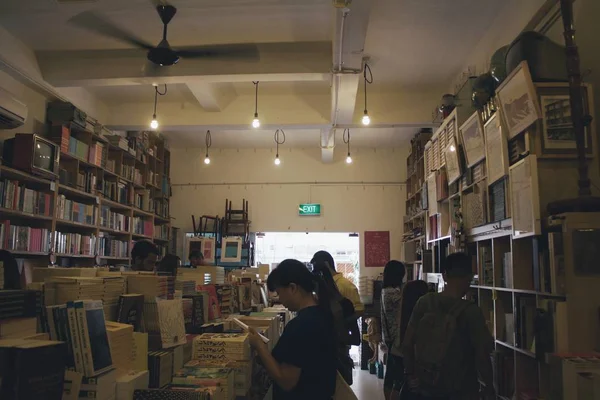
(366,120)
(255,121)
(279,139)
(208,141)
(154,123)
(346,139)
(452,148)
(348,159)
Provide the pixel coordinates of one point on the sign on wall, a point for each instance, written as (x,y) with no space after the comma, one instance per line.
(309,210)
(377,248)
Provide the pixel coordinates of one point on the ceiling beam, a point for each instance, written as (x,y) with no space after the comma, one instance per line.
(348,51)
(213,97)
(297,61)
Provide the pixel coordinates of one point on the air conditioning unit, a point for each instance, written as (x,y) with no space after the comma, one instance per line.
(13,113)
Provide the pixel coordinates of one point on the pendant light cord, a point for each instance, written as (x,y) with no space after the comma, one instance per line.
(156,93)
(368,80)
(256,97)
(346,138)
(279,138)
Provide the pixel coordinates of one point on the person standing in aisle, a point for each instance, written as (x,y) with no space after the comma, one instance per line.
(144,256)
(447,344)
(323,260)
(393,278)
(303,363)
(196,258)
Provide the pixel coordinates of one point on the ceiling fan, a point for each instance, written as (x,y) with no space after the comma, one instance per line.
(162,54)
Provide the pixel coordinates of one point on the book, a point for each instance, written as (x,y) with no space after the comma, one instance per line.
(172,326)
(24,377)
(245,327)
(93,336)
(221,347)
(160,367)
(131,307)
(128,383)
(214,310)
(197,313)
(168,394)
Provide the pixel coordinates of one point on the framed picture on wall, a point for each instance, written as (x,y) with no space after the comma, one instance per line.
(452,161)
(518,101)
(231,249)
(525,198)
(496,148)
(557,134)
(202,244)
(471,133)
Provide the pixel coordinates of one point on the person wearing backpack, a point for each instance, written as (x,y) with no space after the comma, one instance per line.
(447,344)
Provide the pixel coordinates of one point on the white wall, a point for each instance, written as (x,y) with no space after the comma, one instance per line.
(349,202)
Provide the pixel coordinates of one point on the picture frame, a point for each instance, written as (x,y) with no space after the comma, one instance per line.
(452,161)
(231,250)
(496,148)
(555,129)
(525,198)
(473,143)
(518,101)
(203,244)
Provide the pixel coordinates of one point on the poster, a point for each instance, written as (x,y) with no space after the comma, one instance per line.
(377,248)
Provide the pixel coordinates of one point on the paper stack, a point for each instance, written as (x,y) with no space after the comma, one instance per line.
(40,274)
(15,328)
(221,347)
(193,375)
(114,287)
(75,288)
(120,338)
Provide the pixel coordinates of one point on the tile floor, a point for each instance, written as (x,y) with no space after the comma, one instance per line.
(367,386)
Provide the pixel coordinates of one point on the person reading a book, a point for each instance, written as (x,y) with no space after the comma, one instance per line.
(447,345)
(196,258)
(144,256)
(303,363)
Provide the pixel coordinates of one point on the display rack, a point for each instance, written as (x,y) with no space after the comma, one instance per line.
(111,191)
(525,280)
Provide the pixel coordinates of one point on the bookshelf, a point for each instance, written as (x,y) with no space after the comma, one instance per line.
(111,191)
(526,282)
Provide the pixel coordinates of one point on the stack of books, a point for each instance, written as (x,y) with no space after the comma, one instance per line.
(168,394)
(82,327)
(128,383)
(194,375)
(131,308)
(224,297)
(222,347)
(151,286)
(100,387)
(74,288)
(120,338)
(114,287)
(187,287)
(195,311)
(41,273)
(160,366)
(19,303)
(14,328)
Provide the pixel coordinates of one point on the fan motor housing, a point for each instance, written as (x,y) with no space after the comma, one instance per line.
(163,56)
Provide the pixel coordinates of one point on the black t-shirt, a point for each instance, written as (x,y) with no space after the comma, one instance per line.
(308,343)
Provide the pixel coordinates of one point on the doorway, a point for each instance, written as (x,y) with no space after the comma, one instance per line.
(274,247)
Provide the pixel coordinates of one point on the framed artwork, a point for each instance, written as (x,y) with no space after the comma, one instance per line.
(203,244)
(231,249)
(496,149)
(518,101)
(471,133)
(525,198)
(557,133)
(452,161)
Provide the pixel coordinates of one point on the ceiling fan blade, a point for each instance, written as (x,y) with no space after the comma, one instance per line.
(93,22)
(237,51)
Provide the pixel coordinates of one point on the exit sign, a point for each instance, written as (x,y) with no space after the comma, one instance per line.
(312,210)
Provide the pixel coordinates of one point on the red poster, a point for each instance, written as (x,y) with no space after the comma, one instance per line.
(377,248)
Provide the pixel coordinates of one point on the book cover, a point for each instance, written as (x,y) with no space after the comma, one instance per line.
(198,317)
(93,336)
(172,327)
(214,310)
(131,307)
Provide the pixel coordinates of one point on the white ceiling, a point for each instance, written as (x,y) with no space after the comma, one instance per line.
(294,138)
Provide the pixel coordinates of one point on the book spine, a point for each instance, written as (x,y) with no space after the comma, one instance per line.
(74,329)
(51,325)
(84,338)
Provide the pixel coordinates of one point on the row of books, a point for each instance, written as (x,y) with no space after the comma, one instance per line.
(131,173)
(78,149)
(143,200)
(87,181)
(75,243)
(161,232)
(82,327)
(15,196)
(24,238)
(114,220)
(142,226)
(118,191)
(71,210)
(112,247)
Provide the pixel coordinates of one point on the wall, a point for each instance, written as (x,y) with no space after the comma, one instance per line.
(353,197)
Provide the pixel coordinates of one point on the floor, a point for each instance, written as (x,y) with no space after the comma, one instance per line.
(367,386)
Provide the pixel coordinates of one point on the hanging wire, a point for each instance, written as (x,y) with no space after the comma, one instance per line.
(256,97)
(368,80)
(279,133)
(346,138)
(208,141)
(156,94)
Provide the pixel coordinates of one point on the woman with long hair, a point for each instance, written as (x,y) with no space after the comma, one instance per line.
(303,363)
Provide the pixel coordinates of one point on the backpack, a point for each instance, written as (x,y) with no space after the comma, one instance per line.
(440,354)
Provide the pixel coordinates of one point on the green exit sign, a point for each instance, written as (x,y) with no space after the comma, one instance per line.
(312,210)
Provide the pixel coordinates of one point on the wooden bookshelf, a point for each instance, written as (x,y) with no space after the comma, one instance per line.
(93,161)
(533,300)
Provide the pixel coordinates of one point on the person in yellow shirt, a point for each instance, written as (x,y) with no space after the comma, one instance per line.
(324,260)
